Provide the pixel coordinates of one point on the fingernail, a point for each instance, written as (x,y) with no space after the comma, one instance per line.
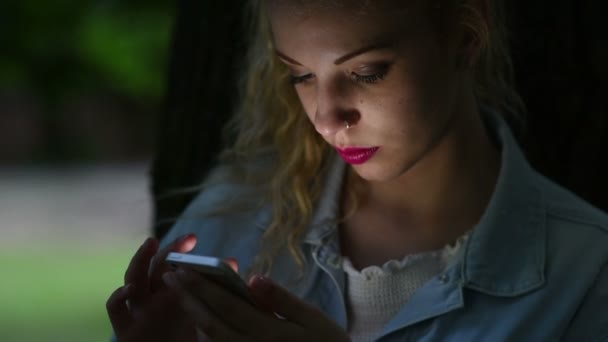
(261,283)
(233,263)
(183,238)
(128,289)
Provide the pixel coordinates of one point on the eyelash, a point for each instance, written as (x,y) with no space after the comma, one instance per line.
(368,79)
(300,79)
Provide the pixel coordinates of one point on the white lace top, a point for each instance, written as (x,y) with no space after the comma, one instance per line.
(375,294)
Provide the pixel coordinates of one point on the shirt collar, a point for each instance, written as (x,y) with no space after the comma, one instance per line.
(505,254)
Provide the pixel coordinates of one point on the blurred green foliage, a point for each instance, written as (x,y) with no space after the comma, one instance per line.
(81,80)
(66,46)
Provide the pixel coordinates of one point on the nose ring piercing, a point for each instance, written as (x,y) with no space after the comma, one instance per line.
(347,124)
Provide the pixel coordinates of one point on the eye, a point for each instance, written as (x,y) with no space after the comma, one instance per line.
(369,79)
(370,74)
(299,79)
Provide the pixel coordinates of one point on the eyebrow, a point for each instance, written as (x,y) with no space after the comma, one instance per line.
(342,59)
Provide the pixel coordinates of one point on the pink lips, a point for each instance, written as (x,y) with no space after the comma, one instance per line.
(357,155)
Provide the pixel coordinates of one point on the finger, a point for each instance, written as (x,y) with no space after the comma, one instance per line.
(279,300)
(233,263)
(295,311)
(183,244)
(118,311)
(137,271)
(261,303)
(226,306)
(201,336)
(212,327)
(215,329)
(163,319)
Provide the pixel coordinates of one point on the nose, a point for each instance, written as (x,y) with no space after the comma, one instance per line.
(334,111)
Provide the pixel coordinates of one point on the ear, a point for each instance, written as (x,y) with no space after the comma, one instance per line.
(475,22)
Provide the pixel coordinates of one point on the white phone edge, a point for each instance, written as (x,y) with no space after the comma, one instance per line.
(211,266)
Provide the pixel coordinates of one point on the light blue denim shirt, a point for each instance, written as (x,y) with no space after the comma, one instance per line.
(535,267)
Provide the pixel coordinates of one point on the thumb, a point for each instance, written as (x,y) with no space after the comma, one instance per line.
(277,299)
(233,263)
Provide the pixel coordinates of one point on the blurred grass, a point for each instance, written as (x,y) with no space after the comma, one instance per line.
(58,294)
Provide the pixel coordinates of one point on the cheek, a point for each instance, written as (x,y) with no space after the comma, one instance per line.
(402,117)
(422,97)
(400,106)
(308,102)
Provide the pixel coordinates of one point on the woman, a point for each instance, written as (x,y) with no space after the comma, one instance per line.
(375,184)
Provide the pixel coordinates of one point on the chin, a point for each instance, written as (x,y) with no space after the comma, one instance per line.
(375,173)
(382,171)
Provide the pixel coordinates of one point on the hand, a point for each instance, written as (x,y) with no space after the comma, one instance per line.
(223,316)
(160,319)
(144,309)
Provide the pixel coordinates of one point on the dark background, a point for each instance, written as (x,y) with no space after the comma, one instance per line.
(106,102)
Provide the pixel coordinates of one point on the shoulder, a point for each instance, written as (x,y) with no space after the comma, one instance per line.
(590,322)
(576,231)
(577,253)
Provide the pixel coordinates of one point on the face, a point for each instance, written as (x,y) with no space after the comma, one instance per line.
(377,82)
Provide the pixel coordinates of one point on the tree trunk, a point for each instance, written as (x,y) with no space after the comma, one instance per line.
(204,60)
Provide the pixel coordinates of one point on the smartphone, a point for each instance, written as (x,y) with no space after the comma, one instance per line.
(214,269)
